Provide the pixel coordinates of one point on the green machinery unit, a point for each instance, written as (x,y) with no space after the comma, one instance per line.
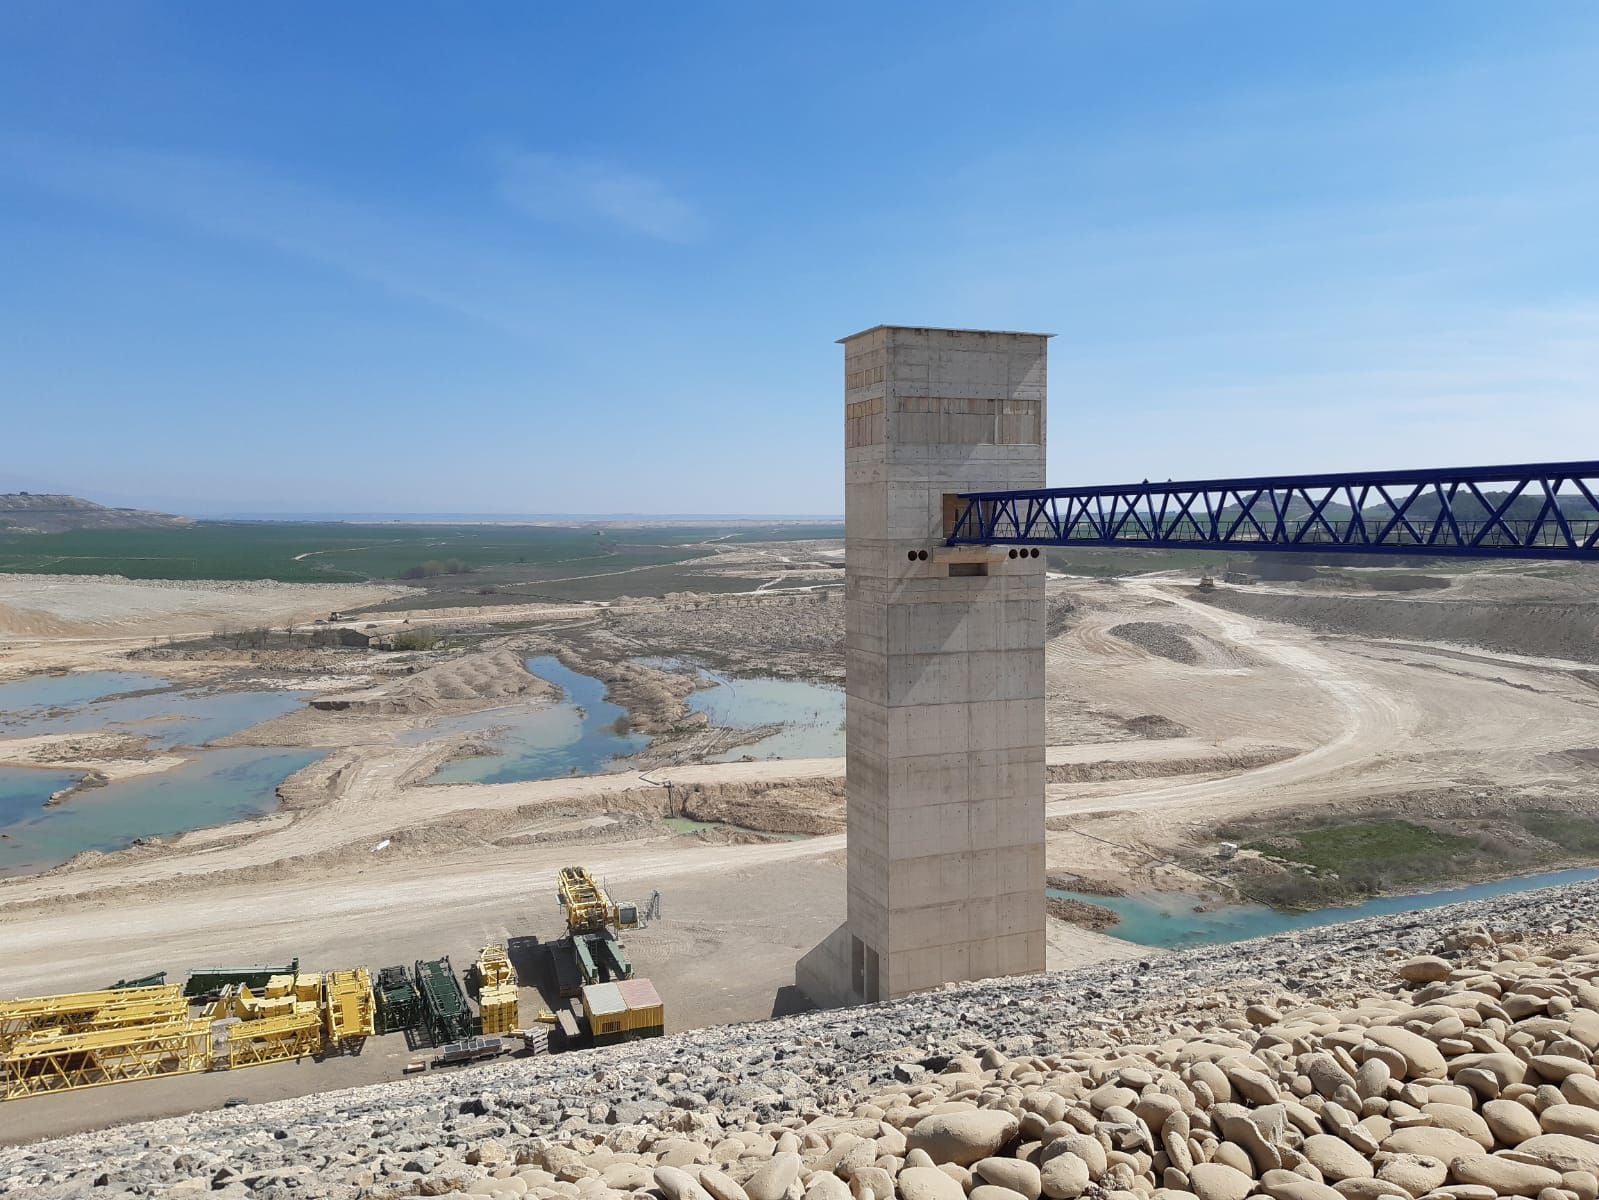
(122,985)
(398,1007)
(445,1014)
(600,958)
(210,980)
(586,958)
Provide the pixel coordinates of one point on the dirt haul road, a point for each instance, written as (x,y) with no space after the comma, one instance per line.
(1367,719)
(1276,716)
(376,799)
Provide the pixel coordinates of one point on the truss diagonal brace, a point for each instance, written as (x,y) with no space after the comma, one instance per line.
(1531,511)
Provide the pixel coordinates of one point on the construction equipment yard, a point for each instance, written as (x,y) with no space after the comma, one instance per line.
(1169,715)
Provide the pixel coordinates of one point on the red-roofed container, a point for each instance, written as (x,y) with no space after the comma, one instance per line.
(622,1011)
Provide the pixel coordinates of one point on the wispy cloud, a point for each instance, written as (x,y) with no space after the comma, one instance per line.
(250,204)
(588,191)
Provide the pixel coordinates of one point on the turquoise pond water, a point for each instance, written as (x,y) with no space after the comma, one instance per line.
(542,741)
(71,690)
(578,735)
(1169,921)
(216,787)
(23,791)
(812,714)
(168,716)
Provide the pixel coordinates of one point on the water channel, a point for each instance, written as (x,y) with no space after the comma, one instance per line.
(152,708)
(1168,920)
(214,787)
(812,715)
(578,736)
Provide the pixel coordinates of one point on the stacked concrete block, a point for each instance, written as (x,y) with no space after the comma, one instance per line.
(945,667)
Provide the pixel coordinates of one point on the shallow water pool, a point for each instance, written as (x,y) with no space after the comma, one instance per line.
(1168,920)
(577,736)
(168,716)
(218,786)
(812,714)
(72,690)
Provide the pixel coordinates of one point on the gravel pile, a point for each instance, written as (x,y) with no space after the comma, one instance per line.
(1446,1055)
(1159,637)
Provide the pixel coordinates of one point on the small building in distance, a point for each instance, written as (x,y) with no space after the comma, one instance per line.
(354,639)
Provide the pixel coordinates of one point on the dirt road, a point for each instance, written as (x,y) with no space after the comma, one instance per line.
(1275,715)
(1369,720)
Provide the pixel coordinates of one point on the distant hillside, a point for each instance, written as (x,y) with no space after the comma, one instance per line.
(32,512)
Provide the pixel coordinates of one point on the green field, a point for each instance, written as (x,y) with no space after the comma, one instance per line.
(1344,862)
(337,552)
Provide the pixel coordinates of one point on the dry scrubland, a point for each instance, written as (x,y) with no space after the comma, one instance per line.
(1175,719)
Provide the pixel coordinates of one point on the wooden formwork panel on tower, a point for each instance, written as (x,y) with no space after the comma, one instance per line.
(60,1062)
(272,1039)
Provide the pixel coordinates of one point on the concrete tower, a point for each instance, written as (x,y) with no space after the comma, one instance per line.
(945,669)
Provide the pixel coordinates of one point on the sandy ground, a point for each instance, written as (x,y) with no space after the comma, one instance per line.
(110,755)
(79,606)
(1273,715)
(1367,719)
(1269,716)
(759,907)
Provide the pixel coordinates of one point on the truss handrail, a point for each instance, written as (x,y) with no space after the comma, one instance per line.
(1435,512)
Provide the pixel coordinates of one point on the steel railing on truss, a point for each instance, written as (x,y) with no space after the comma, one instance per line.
(1540,511)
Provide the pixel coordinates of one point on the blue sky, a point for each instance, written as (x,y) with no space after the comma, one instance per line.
(525,257)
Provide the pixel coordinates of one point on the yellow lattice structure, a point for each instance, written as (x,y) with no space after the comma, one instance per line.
(158,1010)
(494,968)
(58,1061)
(347,1007)
(588,908)
(270,1039)
(236,1000)
(77,1012)
(499,1006)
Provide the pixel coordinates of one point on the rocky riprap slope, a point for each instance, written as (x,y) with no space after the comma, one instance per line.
(1445,1055)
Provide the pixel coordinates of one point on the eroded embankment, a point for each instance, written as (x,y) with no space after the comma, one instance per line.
(468,681)
(1541,630)
(1296,1068)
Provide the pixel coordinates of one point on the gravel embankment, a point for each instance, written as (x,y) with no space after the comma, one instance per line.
(1302,1067)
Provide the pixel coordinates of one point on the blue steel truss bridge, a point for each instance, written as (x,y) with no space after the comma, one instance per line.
(1539,511)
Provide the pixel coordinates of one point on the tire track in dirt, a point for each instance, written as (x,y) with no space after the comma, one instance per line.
(1371,721)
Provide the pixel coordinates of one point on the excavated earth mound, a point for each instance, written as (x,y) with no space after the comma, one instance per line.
(1542,630)
(1159,637)
(491,675)
(1446,1055)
